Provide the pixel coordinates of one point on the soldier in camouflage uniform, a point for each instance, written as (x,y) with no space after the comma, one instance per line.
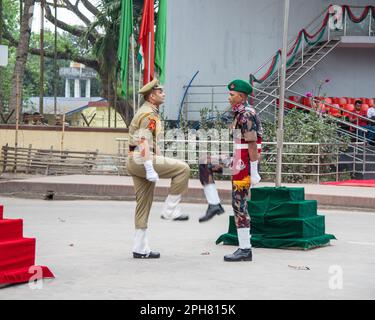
(246,129)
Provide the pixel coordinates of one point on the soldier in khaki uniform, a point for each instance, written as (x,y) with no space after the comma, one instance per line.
(146,165)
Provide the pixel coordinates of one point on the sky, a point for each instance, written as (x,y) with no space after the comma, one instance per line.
(62,14)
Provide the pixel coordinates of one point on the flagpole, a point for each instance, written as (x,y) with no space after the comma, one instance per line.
(139,85)
(149,58)
(280,130)
(133,71)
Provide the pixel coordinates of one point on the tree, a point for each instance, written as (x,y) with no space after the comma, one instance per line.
(9,14)
(97,49)
(21,53)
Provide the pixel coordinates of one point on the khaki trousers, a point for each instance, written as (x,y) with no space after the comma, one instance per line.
(167,168)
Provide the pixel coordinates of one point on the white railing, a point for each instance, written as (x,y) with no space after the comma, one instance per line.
(310,161)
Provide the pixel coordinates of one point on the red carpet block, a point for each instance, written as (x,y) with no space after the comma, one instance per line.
(25,274)
(17,254)
(10,229)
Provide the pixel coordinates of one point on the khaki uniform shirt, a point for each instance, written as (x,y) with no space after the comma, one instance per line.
(146,124)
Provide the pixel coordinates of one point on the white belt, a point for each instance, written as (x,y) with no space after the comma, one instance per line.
(241,146)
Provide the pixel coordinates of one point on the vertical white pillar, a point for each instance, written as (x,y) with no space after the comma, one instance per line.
(88,88)
(67,88)
(77,88)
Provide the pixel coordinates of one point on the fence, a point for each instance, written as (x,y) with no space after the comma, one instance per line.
(55,162)
(312,162)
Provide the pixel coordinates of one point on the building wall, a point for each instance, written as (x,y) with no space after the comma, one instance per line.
(351,71)
(231,39)
(73,140)
(100,120)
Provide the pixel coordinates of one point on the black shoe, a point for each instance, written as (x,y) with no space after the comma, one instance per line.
(239,255)
(182,217)
(151,255)
(212,210)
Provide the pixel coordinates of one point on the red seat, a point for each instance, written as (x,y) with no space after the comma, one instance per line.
(335,112)
(364,109)
(348,107)
(328,100)
(306,102)
(342,101)
(293,98)
(370,102)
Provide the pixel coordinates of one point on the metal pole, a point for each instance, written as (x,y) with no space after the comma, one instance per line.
(280,131)
(17,123)
(115,102)
(109,100)
(318,180)
(62,134)
(149,58)
(369,24)
(55,63)
(133,71)
(41,78)
(139,86)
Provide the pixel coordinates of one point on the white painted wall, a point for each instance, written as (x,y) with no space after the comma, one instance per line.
(231,39)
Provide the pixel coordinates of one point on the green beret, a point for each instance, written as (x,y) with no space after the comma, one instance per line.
(240,86)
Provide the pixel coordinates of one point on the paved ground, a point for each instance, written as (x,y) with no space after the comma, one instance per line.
(121,188)
(87,244)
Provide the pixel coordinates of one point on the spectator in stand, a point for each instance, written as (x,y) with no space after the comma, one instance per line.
(357,120)
(371,126)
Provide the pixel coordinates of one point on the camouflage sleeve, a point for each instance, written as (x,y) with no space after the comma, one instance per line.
(248,127)
(259,126)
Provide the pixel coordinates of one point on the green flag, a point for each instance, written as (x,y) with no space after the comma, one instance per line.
(126,30)
(161,39)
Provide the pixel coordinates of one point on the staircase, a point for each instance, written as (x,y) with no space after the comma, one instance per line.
(304,54)
(17,254)
(303,64)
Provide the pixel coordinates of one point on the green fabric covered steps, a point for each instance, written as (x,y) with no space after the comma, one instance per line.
(281,218)
(298,243)
(290,227)
(281,194)
(289,209)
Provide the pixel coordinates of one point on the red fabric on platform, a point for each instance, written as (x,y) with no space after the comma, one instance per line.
(24,274)
(352,183)
(10,229)
(17,254)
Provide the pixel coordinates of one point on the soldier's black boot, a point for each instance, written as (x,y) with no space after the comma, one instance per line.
(151,255)
(239,255)
(212,210)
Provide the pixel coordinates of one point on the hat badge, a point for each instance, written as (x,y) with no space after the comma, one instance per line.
(232,86)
